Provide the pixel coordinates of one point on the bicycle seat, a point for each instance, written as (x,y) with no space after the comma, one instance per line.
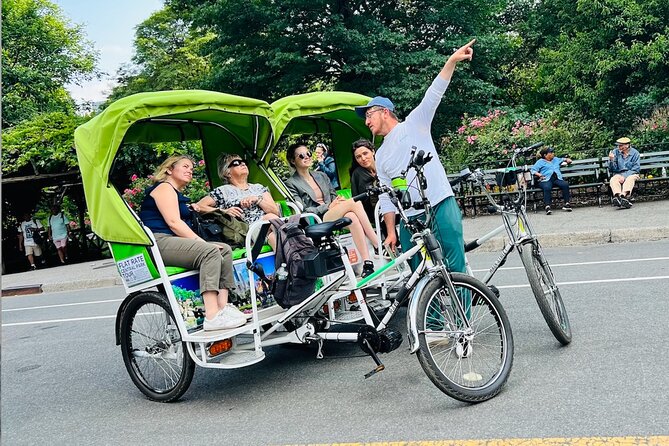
(321,230)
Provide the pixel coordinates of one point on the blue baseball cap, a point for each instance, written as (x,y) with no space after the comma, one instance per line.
(378,101)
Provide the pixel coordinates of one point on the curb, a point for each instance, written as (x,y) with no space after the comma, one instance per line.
(81,284)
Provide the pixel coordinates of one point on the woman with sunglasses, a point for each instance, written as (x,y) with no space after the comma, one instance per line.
(165,211)
(316,195)
(238,198)
(326,164)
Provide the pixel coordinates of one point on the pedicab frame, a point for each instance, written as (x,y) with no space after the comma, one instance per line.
(224,124)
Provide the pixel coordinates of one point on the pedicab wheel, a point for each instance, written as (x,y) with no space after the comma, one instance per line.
(153,353)
(470,364)
(546,291)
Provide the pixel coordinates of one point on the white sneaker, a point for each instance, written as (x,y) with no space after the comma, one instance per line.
(223,321)
(233,311)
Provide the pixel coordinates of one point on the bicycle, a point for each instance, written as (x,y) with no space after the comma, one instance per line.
(522,238)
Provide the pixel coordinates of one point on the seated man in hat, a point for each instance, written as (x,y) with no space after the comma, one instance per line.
(547,172)
(624,165)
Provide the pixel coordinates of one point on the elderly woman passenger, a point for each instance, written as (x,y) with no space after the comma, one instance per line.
(249,202)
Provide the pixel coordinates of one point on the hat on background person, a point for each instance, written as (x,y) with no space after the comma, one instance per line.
(543,152)
(623,140)
(378,101)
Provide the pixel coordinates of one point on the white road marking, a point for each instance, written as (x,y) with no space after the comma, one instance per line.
(63,305)
(55,321)
(601,262)
(580,282)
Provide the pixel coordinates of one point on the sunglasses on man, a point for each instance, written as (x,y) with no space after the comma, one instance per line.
(235,163)
(305,155)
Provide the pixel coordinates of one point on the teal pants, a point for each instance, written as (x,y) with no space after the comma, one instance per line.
(447,227)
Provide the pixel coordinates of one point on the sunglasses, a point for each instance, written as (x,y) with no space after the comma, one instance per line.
(305,155)
(235,163)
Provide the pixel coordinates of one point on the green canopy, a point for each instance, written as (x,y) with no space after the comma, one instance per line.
(223,122)
(328,112)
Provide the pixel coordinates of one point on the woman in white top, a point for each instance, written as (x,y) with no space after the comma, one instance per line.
(248,202)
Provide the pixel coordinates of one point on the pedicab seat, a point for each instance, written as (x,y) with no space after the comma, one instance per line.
(322,230)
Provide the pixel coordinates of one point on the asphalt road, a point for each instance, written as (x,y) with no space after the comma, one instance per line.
(64,382)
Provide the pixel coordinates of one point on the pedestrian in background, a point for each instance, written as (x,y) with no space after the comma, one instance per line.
(326,164)
(59,232)
(547,171)
(30,239)
(625,166)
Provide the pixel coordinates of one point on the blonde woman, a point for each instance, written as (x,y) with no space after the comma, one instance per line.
(165,211)
(249,202)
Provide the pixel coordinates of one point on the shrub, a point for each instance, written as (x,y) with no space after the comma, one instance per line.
(485,141)
(652,133)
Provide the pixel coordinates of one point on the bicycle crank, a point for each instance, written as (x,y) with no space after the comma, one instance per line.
(373,342)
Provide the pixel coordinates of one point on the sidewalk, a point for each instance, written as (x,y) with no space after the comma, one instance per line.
(584,226)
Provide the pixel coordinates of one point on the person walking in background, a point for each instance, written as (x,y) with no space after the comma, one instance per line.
(547,171)
(393,157)
(326,164)
(59,231)
(624,165)
(30,239)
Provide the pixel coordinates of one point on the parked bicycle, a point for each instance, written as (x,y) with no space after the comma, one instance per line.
(522,238)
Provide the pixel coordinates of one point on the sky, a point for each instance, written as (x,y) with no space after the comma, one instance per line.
(110,25)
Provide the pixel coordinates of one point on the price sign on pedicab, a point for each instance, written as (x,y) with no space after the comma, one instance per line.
(134,270)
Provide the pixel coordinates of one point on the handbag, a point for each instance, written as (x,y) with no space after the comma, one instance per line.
(234,230)
(207,229)
(38,238)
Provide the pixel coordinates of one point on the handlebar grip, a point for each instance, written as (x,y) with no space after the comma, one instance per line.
(471,245)
(360,196)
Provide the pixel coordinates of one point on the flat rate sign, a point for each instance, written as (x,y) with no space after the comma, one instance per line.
(134,270)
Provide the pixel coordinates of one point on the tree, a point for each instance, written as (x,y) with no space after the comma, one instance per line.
(608,59)
(45,143)
(41,52)
(270,49)
(167,56)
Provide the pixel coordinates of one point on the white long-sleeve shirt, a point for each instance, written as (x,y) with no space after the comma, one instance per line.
(395,153)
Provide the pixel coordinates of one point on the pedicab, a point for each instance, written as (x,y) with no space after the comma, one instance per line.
(159,324)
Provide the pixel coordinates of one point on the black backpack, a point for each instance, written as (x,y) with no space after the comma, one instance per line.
(292,246)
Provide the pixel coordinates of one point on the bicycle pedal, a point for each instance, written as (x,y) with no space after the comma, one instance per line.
(378,368)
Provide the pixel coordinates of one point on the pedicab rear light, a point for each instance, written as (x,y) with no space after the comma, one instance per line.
(220,347)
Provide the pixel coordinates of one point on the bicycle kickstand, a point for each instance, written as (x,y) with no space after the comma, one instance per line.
(379,365)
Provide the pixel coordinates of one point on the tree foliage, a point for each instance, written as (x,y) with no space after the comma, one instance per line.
(608,59)
(168,56)
(269,49)
(45,143)
(41,52)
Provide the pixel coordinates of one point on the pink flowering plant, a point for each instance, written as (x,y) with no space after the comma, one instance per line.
(652,132)
(198,187)
(486,141)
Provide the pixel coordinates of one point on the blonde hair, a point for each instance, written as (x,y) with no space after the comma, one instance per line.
(223,162)
(161,175)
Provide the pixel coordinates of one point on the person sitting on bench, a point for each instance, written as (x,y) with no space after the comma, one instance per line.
(624,165)
(547,171)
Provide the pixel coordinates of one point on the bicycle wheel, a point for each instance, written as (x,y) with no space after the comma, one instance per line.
(546,291)
(153,353)
(469,364)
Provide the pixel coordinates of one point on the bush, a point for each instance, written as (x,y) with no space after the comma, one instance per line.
(485,141)
(652,133)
